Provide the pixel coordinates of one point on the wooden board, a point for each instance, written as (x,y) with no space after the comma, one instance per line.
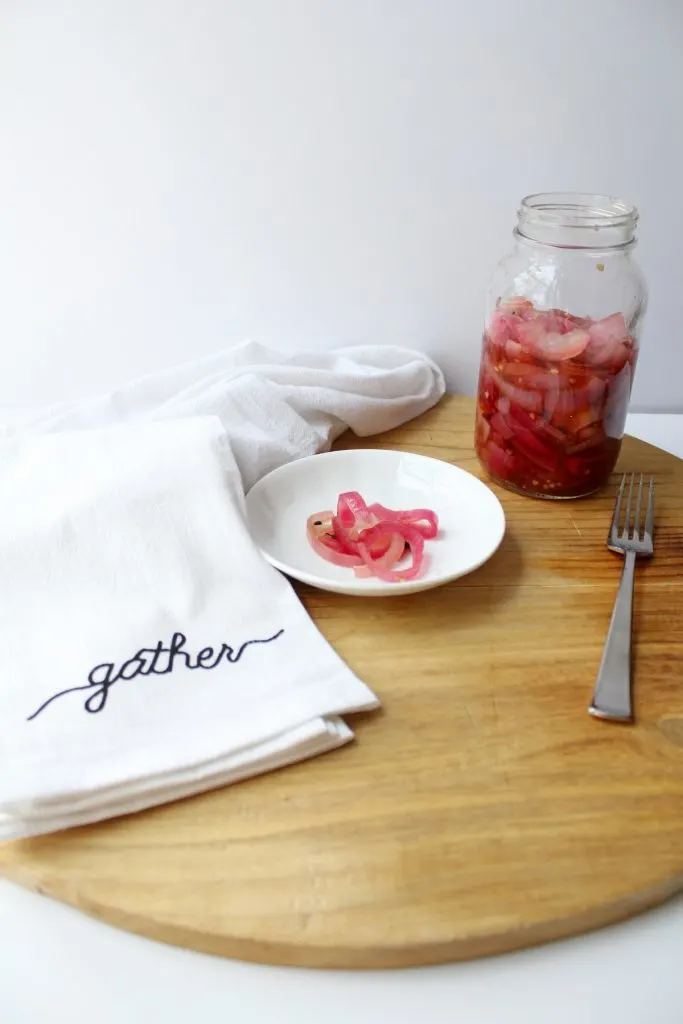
(480,811)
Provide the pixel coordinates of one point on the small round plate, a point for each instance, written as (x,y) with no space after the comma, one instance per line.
(471,519)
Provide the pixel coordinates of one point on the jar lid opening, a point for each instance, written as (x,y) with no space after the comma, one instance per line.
(577,219)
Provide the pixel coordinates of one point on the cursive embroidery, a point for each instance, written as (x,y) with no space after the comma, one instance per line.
(157,661)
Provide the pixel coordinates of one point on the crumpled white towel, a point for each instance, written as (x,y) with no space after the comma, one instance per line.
(275,407)
(148,651)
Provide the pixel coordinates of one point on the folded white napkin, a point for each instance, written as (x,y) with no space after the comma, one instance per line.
(147,651)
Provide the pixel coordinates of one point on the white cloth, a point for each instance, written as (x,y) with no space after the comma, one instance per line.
(275,408)
(147,651)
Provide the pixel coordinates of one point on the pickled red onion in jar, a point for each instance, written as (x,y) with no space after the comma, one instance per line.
(553,394)
(565,308)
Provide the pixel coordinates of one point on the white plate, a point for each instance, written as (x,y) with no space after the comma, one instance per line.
(471,519)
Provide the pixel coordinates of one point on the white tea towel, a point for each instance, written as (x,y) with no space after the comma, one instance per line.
(275,408)
(147,651)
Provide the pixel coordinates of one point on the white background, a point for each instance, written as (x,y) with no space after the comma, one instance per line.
(177,175)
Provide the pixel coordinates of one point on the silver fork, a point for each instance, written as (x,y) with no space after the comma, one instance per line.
(612,696)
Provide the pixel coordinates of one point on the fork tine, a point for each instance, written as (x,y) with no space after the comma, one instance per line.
(637,527)
(649,518)
(627,518)
(616,515)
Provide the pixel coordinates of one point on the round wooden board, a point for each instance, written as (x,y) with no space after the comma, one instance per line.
(480,810)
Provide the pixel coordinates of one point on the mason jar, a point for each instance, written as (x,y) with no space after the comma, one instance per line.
(560,346)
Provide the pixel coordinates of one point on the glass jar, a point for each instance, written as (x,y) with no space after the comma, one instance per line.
(560,346)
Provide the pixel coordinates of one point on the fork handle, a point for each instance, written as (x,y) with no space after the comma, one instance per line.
(612,696)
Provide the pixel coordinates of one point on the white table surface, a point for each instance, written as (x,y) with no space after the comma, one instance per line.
(57,965)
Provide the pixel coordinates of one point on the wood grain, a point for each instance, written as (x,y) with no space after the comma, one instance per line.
(480,811)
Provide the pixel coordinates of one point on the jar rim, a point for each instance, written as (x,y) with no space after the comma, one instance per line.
(582,209)
(606,218)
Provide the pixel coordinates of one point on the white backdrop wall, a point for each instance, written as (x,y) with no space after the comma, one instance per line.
(177,175)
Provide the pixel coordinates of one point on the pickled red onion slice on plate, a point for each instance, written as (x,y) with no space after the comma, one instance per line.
(423,519)
(321,537)
(372,539)
(385,562)
(410,536)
